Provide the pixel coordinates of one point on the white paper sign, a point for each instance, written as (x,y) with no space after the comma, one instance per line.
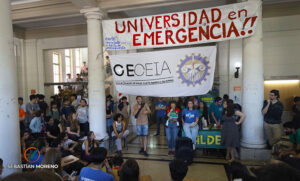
(169,73)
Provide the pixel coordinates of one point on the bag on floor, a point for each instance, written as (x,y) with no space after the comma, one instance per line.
(183,141)
(185,154)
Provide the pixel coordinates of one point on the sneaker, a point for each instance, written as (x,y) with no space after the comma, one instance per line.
(156,135)
(194,147)
(173,153)
(170,153)
(141,151)
(145,153)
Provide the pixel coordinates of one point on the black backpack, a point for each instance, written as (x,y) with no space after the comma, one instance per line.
(184,150)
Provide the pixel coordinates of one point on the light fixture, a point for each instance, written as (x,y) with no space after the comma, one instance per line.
(281,81)
(237,67)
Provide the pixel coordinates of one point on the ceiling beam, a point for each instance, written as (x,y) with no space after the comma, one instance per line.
(41,9)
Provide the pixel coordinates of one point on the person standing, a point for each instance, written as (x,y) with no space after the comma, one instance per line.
(160,108)
(21,104)
(124,109)
(203,115)
(190,118)
(83,117)
(172,127)
(215,111)
(230,136)
(84,71)
(67,110)
(109,118)
(272,111)
(74,102)
(31,109)
(140,112)
(42,104)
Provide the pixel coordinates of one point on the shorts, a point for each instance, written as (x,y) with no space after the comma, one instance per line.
(142,130)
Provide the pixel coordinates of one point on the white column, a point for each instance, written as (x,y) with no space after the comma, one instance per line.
(96,84)
(223,62)
(253,88)
(9,121)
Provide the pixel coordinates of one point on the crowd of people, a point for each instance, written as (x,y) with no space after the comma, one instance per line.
(61,129)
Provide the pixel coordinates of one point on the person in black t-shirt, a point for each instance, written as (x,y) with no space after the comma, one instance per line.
(272,111)
(53,129)
(42,104)
(67,110)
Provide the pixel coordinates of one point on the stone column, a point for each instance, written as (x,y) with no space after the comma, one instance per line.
(9,119)
(223,62)
(96,84)
(253,88)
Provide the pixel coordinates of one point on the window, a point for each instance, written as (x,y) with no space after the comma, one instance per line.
(56,70)
(68,61)
(77,61)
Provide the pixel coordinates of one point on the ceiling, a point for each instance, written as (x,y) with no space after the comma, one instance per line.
(73,17)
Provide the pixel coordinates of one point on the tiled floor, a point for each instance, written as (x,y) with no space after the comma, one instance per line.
(204,168)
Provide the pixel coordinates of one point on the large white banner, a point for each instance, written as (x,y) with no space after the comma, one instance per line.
(182,28)
(169,73)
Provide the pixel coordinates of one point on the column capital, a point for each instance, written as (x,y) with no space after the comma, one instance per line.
(93,13)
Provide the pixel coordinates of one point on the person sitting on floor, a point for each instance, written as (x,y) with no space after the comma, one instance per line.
(178,170)
(68,145)
(130,171)
(88,145)
(94,172)
(53,129)
(117,162)
(119,132)
(278,172)
(73,128)
(41,146)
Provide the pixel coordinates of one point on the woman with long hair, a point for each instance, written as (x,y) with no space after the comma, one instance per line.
(203,114)
(73,128)
(88,145)
(130,171)
(230,137)
(190,118)
(52,157)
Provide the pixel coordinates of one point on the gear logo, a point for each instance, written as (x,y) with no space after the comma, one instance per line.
(193,69)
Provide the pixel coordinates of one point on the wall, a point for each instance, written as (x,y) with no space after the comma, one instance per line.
(31,62)
(281,46)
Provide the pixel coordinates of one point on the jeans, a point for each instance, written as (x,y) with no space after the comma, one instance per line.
(109,123)
(160,120)
(142,130)
(118,141)
(191,132)
(172,133)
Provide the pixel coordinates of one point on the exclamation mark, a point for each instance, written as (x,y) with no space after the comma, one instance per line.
(252,23)
(245,22)
(253,19)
